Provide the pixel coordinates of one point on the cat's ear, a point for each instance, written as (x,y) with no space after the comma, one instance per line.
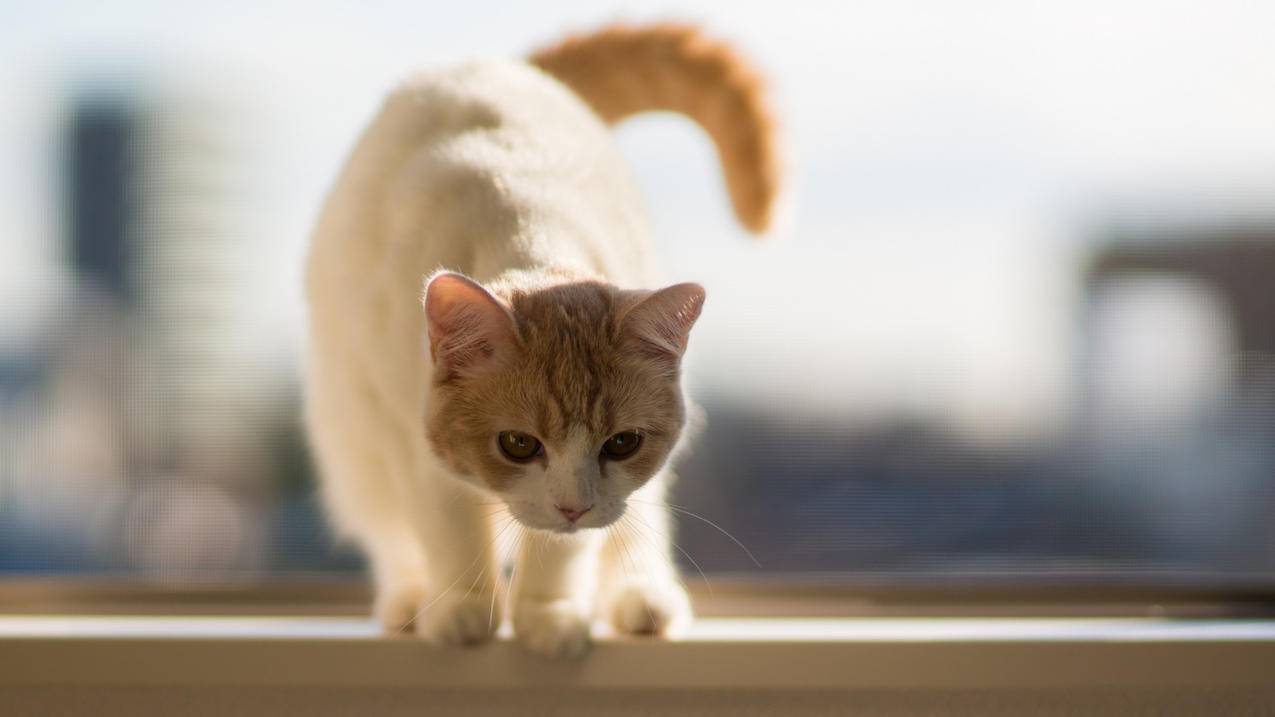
(468,327)
(661,322)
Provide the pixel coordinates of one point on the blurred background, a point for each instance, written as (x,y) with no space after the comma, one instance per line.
(1020,329)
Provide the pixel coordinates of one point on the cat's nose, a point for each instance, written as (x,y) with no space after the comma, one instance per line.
(572,514)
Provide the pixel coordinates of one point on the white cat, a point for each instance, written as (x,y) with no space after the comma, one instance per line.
(537,395)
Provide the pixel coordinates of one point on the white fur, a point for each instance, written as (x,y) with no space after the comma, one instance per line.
(485,169)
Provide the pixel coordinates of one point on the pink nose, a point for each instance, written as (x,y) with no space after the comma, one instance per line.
(572,514)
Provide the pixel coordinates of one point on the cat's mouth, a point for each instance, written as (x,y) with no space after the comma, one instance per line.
(568,528)
(563,528)
(573,528)
(536,521)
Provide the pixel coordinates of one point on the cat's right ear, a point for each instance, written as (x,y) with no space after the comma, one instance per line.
(661,322)
(468,327)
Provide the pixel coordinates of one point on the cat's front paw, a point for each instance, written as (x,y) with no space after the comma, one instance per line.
(555,629)
(661,609)
(459,620)
(395,608)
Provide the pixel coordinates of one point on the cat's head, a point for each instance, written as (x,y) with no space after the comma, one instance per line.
(559,397)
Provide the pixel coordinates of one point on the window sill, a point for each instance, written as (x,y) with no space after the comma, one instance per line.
(871,655)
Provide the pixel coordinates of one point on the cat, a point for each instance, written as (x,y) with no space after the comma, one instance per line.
(537,389)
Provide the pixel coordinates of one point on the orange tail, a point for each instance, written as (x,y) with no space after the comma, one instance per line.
(621,71)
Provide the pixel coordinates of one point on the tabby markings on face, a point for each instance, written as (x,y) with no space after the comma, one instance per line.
(561,399)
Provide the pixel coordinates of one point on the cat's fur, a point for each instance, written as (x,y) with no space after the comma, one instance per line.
(500,171)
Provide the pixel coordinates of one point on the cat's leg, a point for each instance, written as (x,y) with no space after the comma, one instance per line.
(364,507)
(553,586)
(462,567)
(362,491)
(398,577)
(640,592)
(361,500)
(426,535)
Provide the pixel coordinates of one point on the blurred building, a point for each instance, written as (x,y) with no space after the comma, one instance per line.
(151,430)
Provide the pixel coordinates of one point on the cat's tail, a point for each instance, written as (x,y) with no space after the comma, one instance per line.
(621,71)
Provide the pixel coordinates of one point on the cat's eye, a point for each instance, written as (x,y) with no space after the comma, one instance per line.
(517,446)
(622,445)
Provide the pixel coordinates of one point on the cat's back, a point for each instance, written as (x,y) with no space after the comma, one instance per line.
(455,161)
(487,94)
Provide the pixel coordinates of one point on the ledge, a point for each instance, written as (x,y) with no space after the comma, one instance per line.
(756,654)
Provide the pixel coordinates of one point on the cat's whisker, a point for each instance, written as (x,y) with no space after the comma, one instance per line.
(613,531)
(499,557)
(480,503)
(649,612)
(625,557)
(679,549)
(491,612)
(455,497)
(720,529)
(480,574)
(416,616)
(536,547)
(513,572)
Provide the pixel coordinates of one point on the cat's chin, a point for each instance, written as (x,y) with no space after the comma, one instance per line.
(566,528)
(558,529)
(563,527)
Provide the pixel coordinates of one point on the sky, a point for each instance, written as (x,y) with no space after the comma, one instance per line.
(952,164)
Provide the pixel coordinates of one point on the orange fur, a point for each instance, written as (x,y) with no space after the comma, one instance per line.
(582,358)
(620,71)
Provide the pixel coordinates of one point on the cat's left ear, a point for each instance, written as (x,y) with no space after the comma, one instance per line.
(468,327)
(661,323)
